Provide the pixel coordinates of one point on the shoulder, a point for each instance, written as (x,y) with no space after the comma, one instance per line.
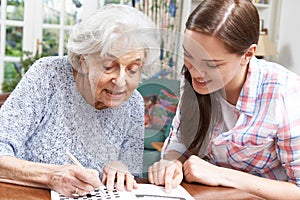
(272,72)
(44,78)
(49,70)
(51,64)
(275,77)
(136,102)
(136,99)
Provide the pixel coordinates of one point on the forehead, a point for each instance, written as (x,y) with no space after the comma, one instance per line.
(130,55)
(204,45)
(126,57)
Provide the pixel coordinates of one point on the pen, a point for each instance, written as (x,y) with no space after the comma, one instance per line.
(77,163)
(74,160)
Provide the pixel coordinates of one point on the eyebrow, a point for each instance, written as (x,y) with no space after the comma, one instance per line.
(111,56)
(206,60)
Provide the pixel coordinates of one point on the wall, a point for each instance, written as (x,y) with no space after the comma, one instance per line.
(289,40)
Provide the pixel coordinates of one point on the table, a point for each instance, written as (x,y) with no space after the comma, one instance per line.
(198,191)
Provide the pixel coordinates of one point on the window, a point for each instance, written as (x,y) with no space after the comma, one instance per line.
(33,26)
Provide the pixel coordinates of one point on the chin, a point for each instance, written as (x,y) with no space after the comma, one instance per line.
(204,91)
(113,104)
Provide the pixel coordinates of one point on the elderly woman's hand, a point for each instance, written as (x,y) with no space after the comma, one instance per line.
(116,170)
(71,179)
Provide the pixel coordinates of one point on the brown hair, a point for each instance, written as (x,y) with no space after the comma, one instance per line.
(236,24)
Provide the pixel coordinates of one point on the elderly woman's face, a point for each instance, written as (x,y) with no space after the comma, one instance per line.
(113,79)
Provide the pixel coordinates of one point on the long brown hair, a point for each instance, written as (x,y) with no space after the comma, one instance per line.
(236,24)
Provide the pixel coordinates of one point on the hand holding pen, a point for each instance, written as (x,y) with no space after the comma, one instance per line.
(80,191)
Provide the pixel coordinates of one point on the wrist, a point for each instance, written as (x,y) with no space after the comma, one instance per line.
(174,155)
(228,177)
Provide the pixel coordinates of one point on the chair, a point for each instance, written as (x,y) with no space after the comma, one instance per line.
(154,136)
(3,97)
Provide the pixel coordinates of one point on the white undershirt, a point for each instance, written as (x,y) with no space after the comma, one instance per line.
(230,114)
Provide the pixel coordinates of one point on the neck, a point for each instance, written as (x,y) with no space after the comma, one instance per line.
(233,89)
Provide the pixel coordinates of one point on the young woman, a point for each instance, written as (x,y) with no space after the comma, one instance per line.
(238,123)
(85,103)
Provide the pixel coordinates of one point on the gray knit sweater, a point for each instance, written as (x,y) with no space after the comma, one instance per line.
(45,115)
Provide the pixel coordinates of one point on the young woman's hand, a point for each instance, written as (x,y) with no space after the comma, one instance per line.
(165,172)
(198,170)
(71,179)
(116,170)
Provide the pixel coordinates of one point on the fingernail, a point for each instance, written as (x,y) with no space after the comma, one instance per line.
(168,190)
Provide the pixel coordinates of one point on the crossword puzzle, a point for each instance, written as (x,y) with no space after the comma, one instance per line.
(96,195)
(144,191)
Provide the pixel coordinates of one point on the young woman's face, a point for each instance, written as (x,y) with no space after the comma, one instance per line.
(113,79)
(211,66)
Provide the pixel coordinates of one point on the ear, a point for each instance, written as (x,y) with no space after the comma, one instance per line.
(249,54)
(84,68)
(79,64)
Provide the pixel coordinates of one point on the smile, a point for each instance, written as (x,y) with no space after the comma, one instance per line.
(114,94)
(201,82)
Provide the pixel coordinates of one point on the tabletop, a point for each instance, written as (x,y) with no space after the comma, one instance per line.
(198,191)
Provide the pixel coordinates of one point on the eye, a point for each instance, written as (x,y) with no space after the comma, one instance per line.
(133,68)
(109,69)
(187,55)
(109,66)
(211,64)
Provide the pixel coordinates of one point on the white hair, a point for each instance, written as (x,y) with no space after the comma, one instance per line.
(114,29)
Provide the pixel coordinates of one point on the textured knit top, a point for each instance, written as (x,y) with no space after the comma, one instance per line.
(46,115)
(263,133)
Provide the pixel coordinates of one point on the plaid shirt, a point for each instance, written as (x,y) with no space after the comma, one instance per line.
(265,140)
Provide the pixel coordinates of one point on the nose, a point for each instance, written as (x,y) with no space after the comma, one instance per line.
(120,78)
(198,70)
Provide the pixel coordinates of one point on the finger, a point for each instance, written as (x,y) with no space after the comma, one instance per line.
(81,192)
(186,173)
(135,185)
(85,187)
(120,181)
(76,192)
(161,173)
(75,181)
(110,179)
(186,169)
(80,173)
(91,184)
(129,182)
(177,179)
(187,176)
(104,177)
(155,173)
(73,192)
(88,176)
(94,179)
(150,174)
(169,173)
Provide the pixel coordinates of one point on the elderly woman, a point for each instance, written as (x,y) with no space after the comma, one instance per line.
(86,104)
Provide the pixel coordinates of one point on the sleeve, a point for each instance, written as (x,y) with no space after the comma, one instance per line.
(133,145)
(288,136)
(172,142)
(22,111)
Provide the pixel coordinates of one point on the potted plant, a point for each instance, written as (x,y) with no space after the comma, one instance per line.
(26,60)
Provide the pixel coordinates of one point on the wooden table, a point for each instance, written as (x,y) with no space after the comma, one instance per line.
(15,192)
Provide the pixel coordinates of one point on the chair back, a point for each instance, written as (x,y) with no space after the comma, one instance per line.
(3,97)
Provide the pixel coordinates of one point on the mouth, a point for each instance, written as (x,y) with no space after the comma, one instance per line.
(114,93)
(201,82)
